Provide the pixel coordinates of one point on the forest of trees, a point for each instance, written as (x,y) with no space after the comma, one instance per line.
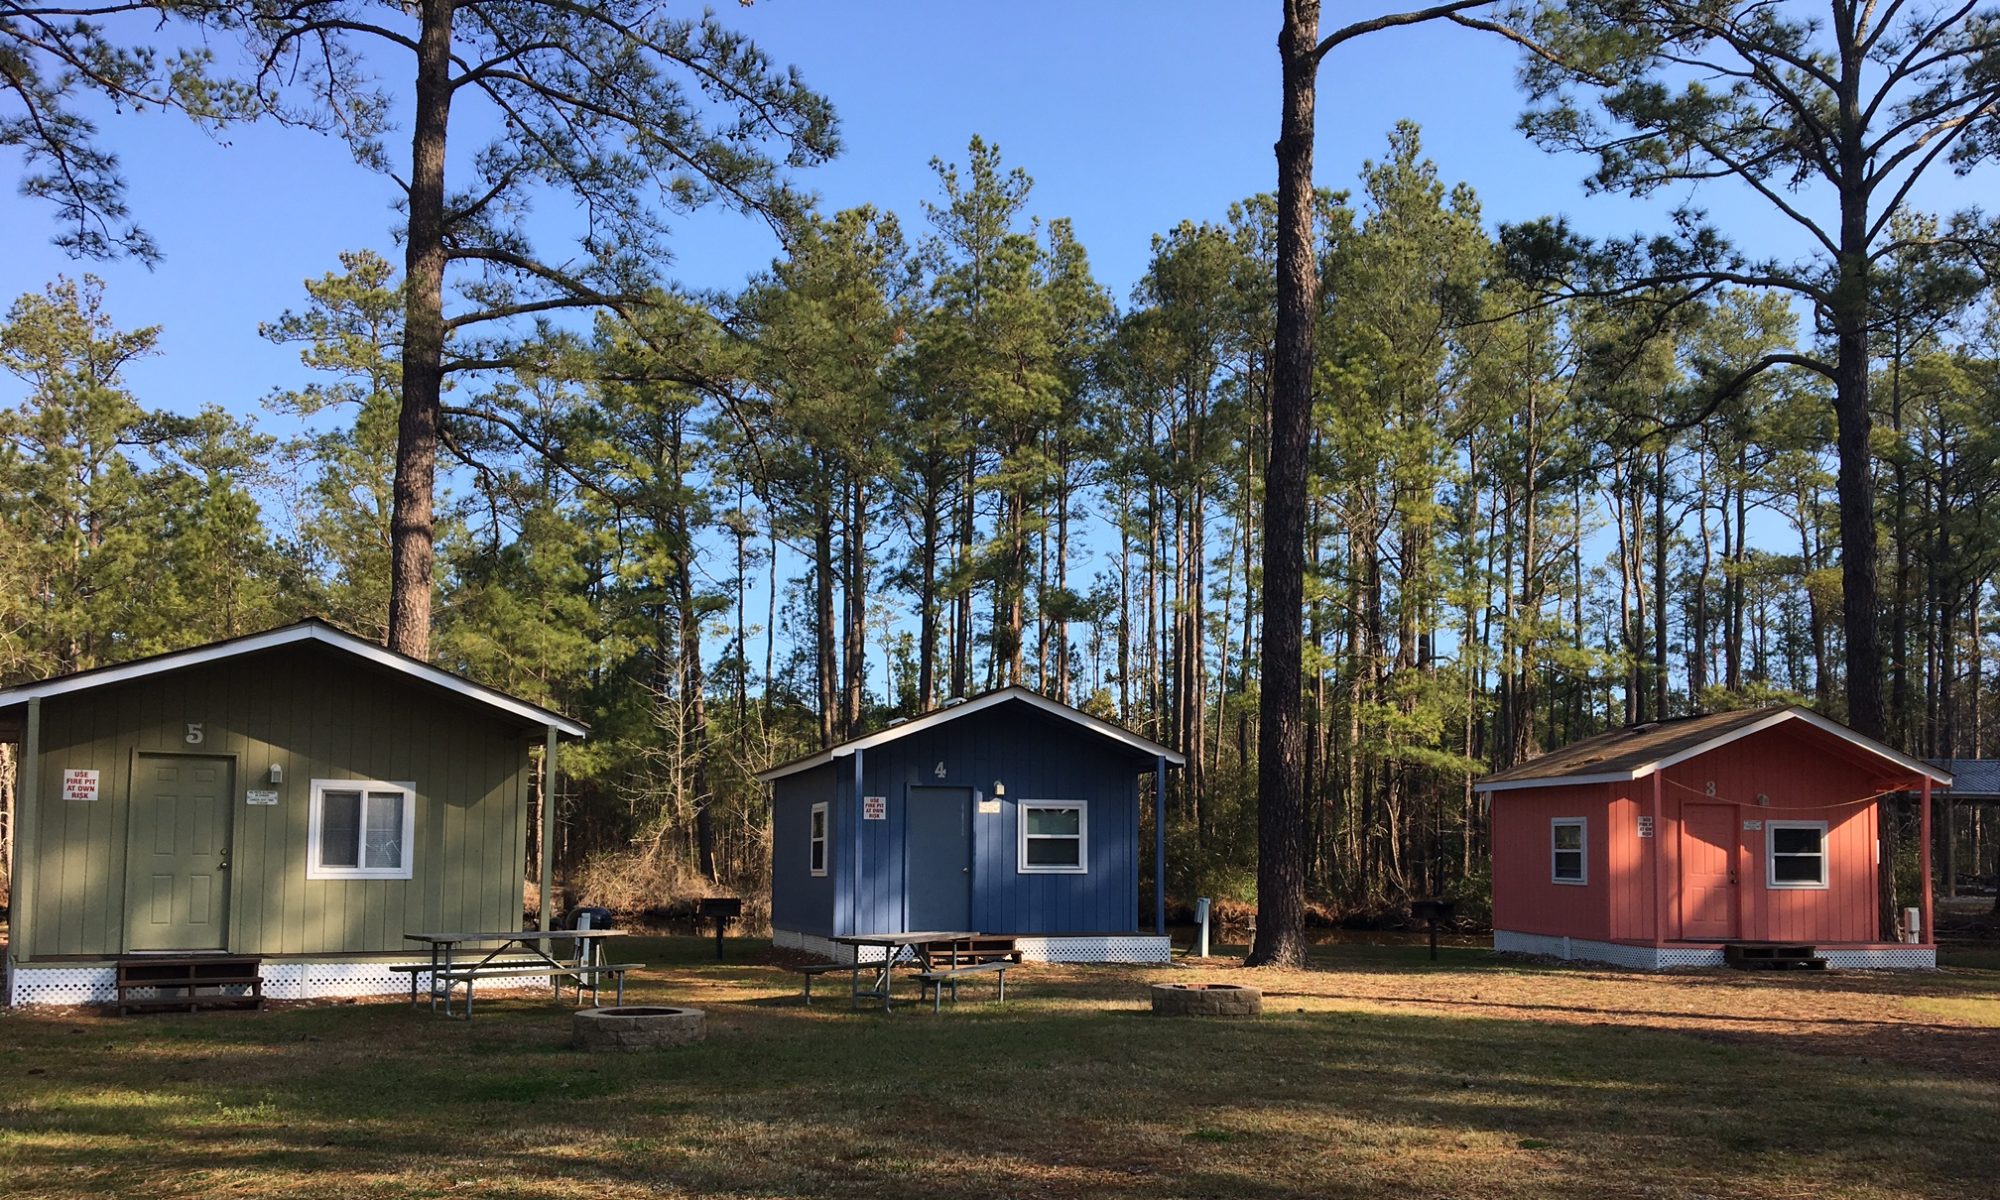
(925,454)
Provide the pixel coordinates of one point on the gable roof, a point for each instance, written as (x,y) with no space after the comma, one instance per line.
(952,712)
(310,631)
(1638,751)
(1972,778)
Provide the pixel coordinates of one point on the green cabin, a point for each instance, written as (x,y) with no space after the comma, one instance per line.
(301,795)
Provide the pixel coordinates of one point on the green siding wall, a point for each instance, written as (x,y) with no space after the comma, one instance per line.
(320,715)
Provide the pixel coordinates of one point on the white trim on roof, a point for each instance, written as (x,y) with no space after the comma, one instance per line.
(939,716)
(291,635)
(1777,717)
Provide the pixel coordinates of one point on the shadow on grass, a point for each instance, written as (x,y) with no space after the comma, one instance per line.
(1065,1095)
(1462,1002)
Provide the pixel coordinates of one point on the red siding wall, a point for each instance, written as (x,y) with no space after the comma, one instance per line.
(1803,774)
(1525,898)
(1632,906)
(1806,778)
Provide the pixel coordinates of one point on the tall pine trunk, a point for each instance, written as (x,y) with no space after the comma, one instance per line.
(823,629)
(1281,806)
(412,520)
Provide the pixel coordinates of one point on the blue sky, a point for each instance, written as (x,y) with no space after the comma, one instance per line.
(1130,116)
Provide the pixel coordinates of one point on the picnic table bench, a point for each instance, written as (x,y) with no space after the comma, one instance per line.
(941,957)
(813,971)
(937,979)
(588,967)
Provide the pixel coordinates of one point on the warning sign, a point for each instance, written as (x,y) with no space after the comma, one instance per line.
(1645,826)
(79,785)
(874,808)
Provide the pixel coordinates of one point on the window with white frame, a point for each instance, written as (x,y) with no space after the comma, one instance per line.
(361,829)
(1568,837)
(1055,836)
(1795,852)
(817,852)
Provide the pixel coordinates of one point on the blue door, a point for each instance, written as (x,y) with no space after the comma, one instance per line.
(939,846)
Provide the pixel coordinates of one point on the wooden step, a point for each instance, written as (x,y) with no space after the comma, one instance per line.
(1771,956)
(187,983)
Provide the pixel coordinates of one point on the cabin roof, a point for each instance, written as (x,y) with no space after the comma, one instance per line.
(310,631)
(1640,750)
(1972,779)
(980,703)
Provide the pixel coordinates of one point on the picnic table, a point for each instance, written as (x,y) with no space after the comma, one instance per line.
(532,958)
(894,946)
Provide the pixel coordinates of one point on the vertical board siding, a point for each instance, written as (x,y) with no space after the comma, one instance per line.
(1036,757)
(801,900)
(1806,776)
(1800,773)
(1526,899)
(1630,863)
(318,714)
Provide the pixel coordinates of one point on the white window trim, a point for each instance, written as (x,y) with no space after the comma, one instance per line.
(1582,851)
(319,789)
(1082,866)
(1771,857)
(824,841)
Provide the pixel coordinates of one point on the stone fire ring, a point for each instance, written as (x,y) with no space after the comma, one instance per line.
(1207,1000)
(636,1027)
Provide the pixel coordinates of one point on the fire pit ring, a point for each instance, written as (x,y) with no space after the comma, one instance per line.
(1207,1000)
(636,1027)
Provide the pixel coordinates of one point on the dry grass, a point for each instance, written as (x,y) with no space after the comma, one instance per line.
(1377,1074)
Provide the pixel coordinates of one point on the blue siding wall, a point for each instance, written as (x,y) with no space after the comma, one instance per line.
(1037,757)
(799,899)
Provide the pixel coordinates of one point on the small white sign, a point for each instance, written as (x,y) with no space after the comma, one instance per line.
(1753,826)
(79,785)
(874,808)
(1645,827)
(989,806)
(255,796)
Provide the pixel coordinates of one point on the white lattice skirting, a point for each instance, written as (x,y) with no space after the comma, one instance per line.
(282,981)
(1654,958)
(1090,948)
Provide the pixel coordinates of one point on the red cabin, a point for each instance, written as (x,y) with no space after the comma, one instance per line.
(1677,842)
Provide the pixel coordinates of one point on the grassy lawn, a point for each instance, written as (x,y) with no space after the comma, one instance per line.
(1376,1073)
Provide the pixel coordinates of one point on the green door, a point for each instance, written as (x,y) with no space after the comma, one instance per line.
(177,854)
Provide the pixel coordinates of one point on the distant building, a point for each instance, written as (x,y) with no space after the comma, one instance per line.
(300,795)
(1008,814)
(1658,845)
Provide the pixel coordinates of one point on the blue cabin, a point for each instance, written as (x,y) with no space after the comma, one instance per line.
(1009,814)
